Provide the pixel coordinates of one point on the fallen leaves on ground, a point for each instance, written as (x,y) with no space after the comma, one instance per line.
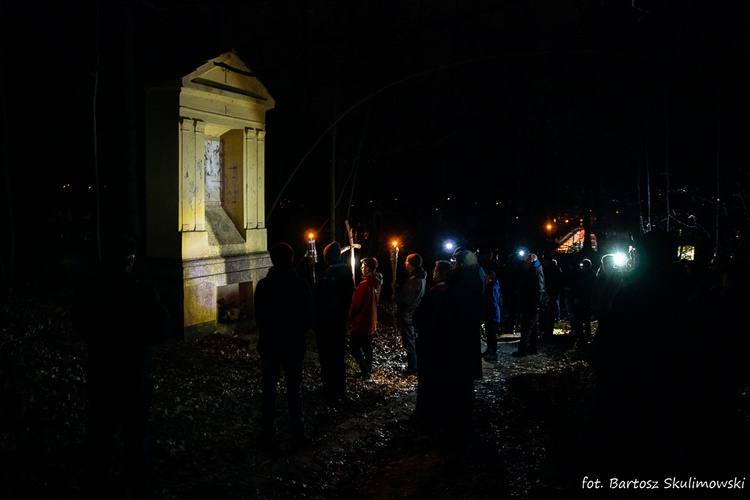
(527,417)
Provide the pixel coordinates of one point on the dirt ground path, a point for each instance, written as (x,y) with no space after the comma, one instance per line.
(526,417)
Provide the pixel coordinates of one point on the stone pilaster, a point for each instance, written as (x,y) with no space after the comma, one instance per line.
(261,187)
(192,180)
(252,167)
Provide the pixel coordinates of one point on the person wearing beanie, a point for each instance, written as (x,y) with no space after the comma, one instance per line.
(415,259)
(332,298)
(284,315)
(332,252)
(408,298)
(363,316)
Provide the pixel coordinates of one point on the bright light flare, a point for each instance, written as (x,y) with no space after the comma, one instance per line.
(621,259)
(310,235)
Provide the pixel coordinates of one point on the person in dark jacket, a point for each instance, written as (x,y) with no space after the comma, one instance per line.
(121,320)
(583,284)
(434,346)
(332,298)
(464,315)
(553,285)
(532,290)
(606,284)
(510,277)
(363,316)
(568,277)
(409,295)
(284,315)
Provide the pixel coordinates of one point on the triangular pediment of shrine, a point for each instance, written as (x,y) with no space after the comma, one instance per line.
(227,75)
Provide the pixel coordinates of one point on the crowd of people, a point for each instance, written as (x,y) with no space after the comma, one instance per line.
(653,310)
(440,328)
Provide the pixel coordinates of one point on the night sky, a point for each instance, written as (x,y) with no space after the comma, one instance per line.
(481,119)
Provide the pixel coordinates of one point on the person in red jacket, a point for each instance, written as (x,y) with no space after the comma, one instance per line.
(363,316)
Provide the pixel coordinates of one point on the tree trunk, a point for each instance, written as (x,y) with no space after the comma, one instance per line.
(132,222)
(8,249)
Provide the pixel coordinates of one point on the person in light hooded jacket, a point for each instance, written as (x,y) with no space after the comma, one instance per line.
(409,295)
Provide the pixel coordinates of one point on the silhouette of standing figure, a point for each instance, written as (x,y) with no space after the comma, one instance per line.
(284,315)
(332,298)
(121,320)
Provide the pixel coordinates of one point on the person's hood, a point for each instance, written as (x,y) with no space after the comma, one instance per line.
(419,273)
(376,276)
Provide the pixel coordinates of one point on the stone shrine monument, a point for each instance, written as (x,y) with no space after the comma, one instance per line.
(205,167)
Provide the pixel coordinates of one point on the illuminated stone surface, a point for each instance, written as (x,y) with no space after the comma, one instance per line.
(205,163)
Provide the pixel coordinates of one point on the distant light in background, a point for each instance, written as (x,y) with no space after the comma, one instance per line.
(449,246)
(687,252)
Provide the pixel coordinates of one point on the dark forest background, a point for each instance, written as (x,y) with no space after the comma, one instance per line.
(477,120)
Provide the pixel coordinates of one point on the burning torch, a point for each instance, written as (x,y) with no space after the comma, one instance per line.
(311,254)
(394,268)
